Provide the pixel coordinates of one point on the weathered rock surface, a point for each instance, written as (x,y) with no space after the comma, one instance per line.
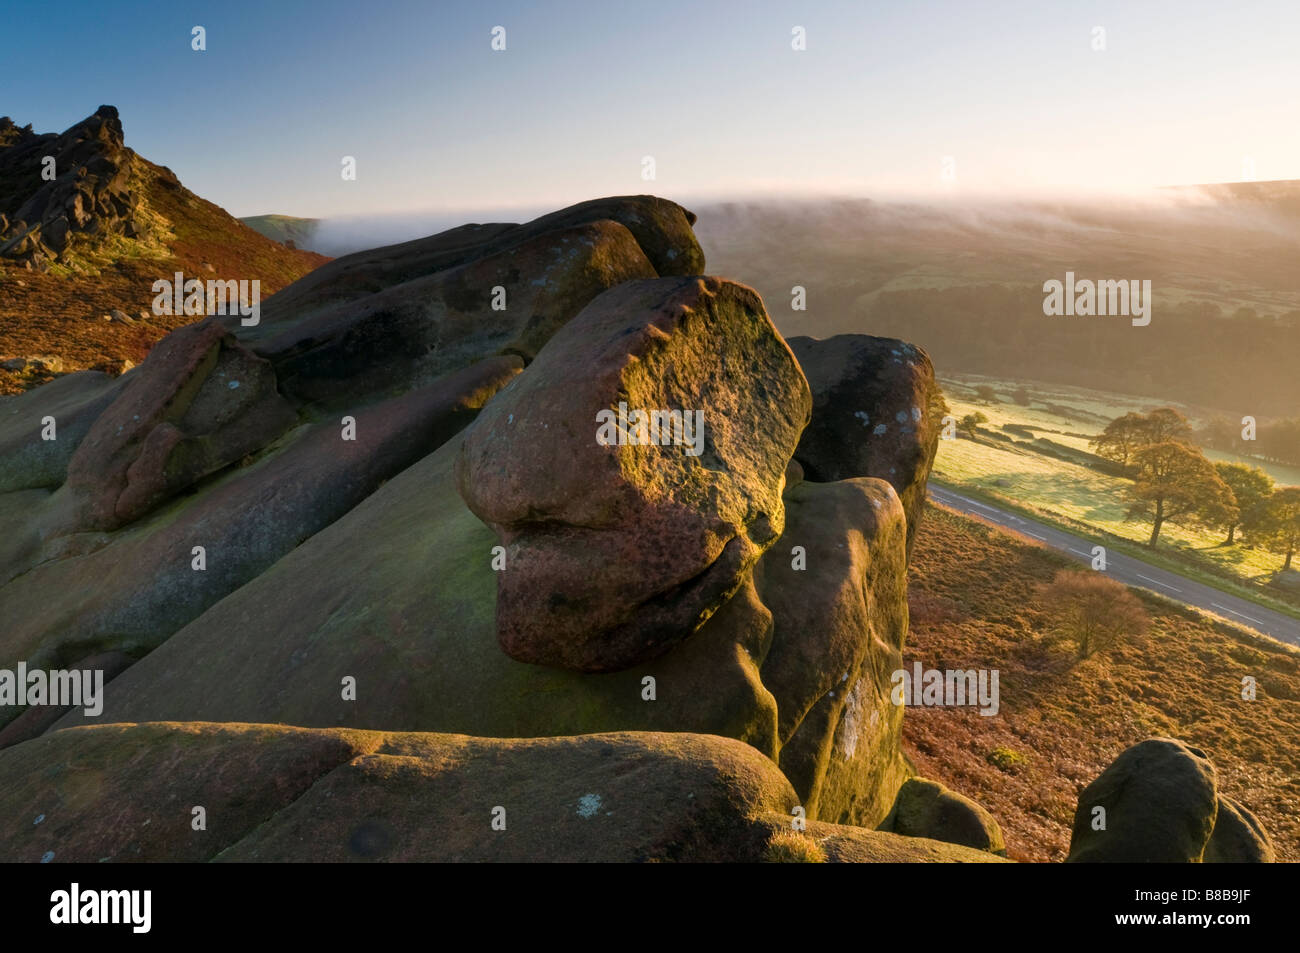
(27,460)
(836,586)
(1238,837)
(614,553)
(874,414)
(928,809)
(200,402)
(661,228)
(509,302)
(1161,806)
(400,594)
(281,794)
(271,793)
(130,590)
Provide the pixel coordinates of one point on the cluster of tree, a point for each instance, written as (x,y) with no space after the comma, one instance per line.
(1191,351)
(1173,482)
(1276,440)
(970,424)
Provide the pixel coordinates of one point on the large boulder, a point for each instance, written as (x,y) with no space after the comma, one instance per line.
(623,535)
(874,414)
(928,809)
(1157,803)
(661,228)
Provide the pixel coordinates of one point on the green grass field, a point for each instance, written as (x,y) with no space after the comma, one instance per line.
(1070,491)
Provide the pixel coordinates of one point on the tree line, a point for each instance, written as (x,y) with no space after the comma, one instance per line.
(1173,482)
(1277,441)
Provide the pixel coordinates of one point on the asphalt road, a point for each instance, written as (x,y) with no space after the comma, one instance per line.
(1132,572)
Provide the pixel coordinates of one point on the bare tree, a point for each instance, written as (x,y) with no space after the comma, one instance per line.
(1093,611)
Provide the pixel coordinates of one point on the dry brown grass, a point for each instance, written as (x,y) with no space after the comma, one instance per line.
(975,602)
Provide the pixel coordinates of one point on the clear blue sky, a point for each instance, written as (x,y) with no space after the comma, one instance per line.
(1013,91)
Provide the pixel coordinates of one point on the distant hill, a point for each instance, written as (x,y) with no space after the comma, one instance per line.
(284,228)
(94,239)
(1280,195)
(964,280)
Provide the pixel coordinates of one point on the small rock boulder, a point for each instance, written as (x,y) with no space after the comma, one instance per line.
(1238,837)
(928,809)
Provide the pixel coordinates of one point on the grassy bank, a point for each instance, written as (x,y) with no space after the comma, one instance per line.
(974,604)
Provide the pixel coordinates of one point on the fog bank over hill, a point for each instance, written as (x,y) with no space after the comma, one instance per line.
(964,279)
(343,236)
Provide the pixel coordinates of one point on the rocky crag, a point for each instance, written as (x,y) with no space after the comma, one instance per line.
(60,186)
(86,226)
(435,512)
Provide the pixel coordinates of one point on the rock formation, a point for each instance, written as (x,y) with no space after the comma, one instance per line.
(90,191)
(520,517)
(87,226)
(622,538)
(875,413)
(267,791)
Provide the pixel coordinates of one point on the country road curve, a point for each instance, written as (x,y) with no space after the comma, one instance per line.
(1131,571)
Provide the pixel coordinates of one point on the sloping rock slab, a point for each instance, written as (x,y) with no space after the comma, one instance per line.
(272,793)
(130,590)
